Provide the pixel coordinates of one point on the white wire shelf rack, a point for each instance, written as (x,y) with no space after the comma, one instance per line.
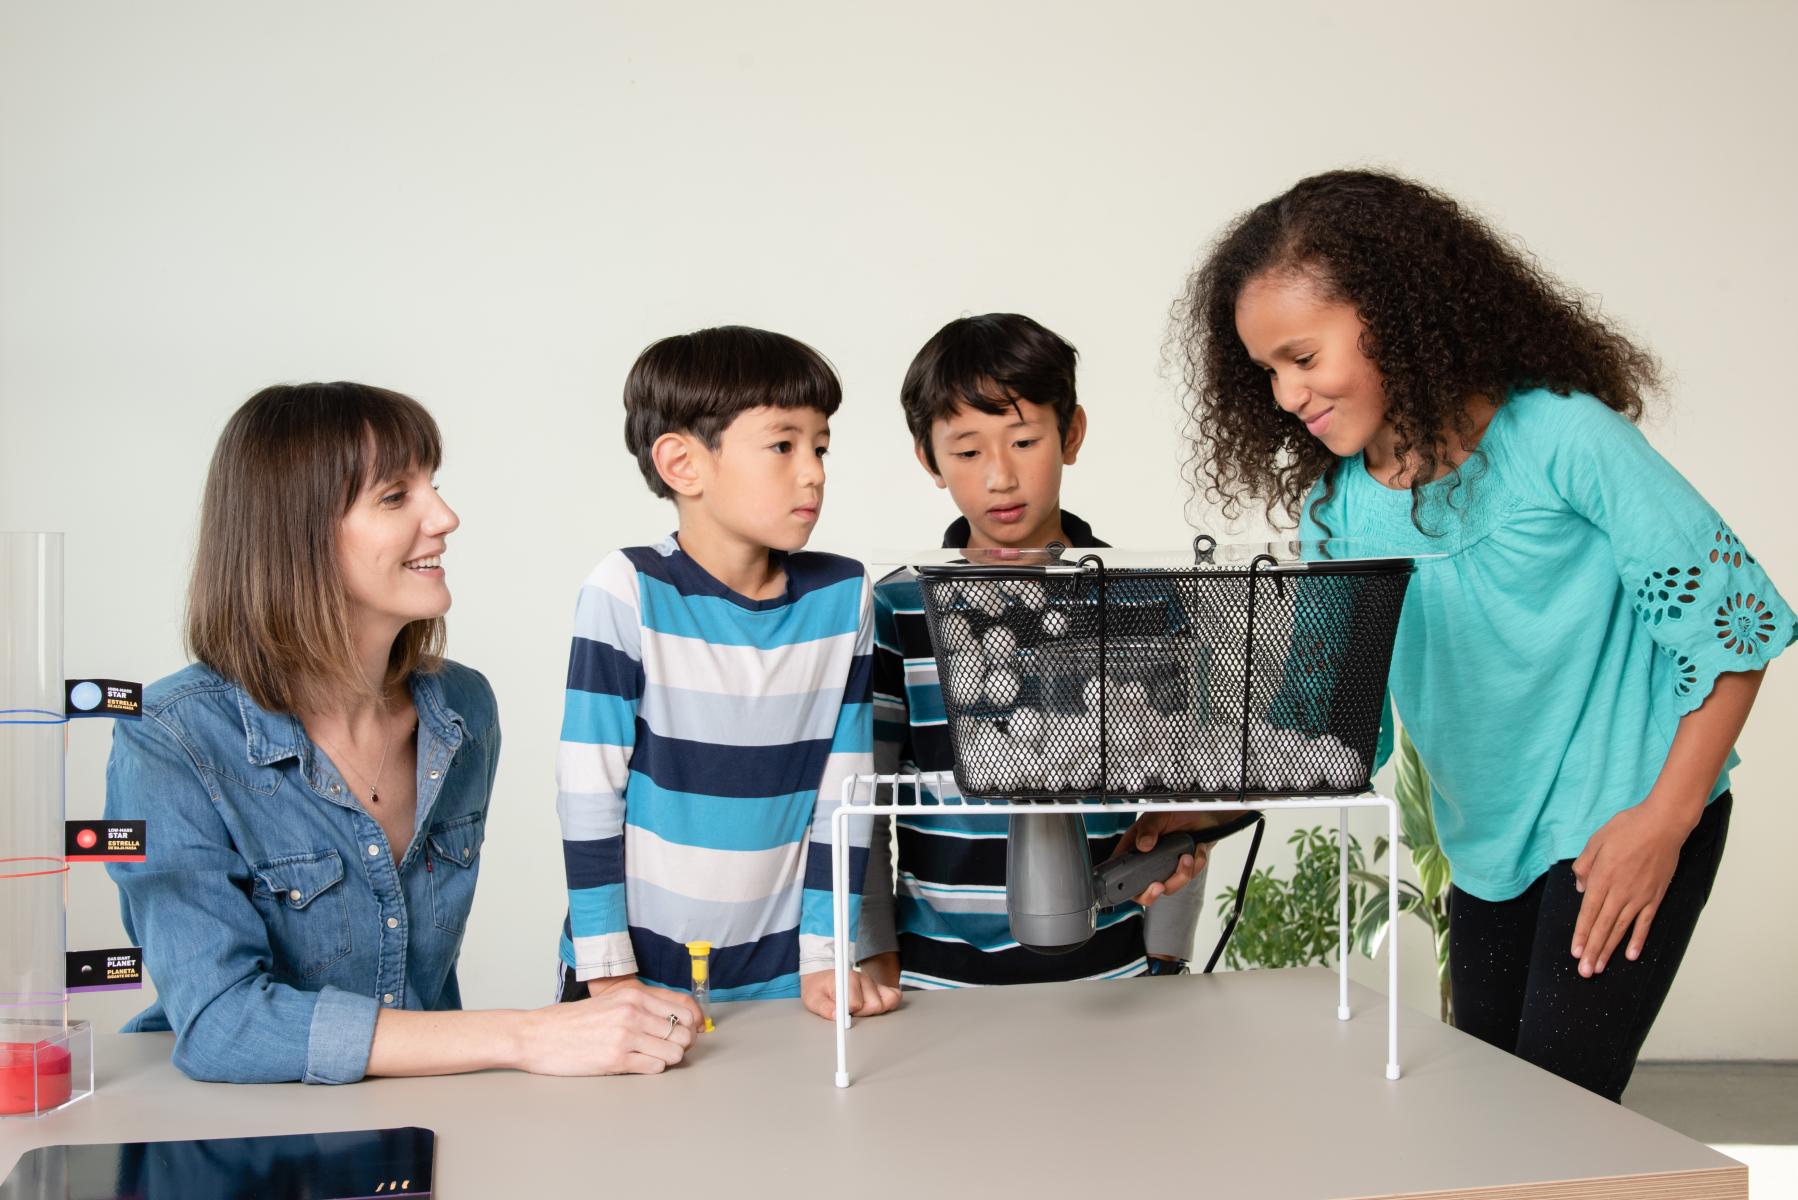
(919,793)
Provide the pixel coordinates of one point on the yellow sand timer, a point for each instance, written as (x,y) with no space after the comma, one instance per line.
(701,954)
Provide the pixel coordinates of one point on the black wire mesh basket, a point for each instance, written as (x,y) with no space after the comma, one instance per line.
(1078,680)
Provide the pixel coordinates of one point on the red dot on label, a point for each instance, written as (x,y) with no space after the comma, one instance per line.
(87,839)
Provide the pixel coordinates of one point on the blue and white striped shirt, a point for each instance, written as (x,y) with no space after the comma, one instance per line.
(705,740)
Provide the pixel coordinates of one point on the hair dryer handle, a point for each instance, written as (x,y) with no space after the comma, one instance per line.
(1123,878)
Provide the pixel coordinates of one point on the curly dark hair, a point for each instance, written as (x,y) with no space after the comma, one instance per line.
(1452,311)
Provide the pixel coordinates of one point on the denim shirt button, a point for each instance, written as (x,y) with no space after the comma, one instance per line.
(393,922)
(387,999)
(435,774)
(373,849)
(295,896)
(335,788)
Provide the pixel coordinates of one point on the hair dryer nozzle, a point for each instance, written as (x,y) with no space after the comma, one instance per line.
(1049,882)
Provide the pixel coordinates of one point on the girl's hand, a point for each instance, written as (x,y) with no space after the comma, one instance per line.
(1623,873)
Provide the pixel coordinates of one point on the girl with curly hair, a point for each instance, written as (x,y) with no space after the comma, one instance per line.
(1578,655)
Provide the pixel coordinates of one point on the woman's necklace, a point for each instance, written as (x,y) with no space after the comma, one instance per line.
(374,788)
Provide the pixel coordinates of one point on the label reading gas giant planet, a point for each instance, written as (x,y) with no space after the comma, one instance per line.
(105,970)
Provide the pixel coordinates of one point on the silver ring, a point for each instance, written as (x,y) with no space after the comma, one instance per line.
(673,1020)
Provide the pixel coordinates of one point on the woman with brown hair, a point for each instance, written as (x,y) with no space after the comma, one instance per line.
(317,783)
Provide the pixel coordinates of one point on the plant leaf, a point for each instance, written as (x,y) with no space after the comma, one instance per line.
(1412,791)
(1432,871)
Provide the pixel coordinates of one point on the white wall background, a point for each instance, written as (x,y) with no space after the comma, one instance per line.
(493,207)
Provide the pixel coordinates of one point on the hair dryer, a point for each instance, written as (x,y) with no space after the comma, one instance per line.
(1052,891)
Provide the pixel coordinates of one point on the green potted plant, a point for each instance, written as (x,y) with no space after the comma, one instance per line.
(1292,922)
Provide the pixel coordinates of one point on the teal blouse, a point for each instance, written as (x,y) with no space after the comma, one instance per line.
(1583,599)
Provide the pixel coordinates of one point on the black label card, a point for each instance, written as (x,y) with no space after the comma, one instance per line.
(103,841)
(103,698)
(106,970)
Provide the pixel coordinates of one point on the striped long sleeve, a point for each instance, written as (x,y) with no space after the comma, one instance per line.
(593,762)
(851,753)
(705,743)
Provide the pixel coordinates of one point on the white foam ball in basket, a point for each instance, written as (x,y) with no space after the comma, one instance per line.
(1000,644)
(1083,774)
(1027,726)
(1129,778)
(986,758)
(1209,776)
(1092,694)
(987,598)
(955,631)
(963,676)
(1033,768)
(1343,768)
(1055,623)
(1030,594)
(1001,687)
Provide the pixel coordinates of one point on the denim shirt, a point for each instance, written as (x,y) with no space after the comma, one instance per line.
(273,917)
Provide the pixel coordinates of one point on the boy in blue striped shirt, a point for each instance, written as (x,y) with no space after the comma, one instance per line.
(718,692)
(991,405)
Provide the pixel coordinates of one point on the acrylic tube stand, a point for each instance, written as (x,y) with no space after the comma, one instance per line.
(46,1060)
(862,799)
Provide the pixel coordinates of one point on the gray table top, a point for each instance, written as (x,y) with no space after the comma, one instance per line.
(1245,1085)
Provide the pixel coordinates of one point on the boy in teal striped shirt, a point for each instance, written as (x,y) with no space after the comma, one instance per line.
(718,692)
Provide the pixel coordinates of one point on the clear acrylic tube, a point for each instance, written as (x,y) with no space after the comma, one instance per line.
(45,1059)
(32,724)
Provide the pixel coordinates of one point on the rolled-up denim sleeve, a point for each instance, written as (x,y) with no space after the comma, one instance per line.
(205,945)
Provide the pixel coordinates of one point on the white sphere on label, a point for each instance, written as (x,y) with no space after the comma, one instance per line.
(1001,688)
(1055,623)
(1027,725)
(1000,645)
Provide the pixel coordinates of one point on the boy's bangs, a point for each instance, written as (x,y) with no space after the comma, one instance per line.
(800,378)
(983,395)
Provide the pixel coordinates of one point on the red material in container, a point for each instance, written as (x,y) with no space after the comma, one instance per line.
(34,1077)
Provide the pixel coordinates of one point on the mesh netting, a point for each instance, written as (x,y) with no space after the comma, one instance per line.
(1265,681)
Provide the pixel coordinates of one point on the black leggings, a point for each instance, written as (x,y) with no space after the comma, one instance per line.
(1516,985)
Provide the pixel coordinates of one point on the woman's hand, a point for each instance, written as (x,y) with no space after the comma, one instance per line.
(1623,873)
(623,1029)
(818,992)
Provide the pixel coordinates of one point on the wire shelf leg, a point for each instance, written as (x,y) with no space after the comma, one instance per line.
(839,905)
(1392,1071)
(1342,914)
